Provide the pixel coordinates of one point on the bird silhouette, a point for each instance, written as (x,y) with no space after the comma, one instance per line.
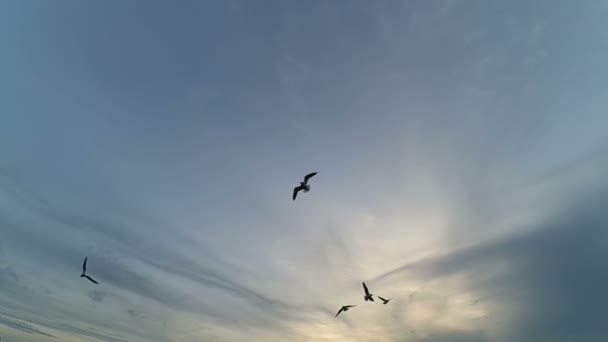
(303,185)
(344,309)
(368,296)
(84,271)
(385,301)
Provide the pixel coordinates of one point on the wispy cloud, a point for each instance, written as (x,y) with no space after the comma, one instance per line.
(24,327)
(452,140)
(97,296)
(538,272)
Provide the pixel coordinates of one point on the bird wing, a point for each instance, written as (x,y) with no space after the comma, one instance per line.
(339,311)
(91,279)
(365,288)
(295,191)
(308,176)
(384,300)
(84,265)
(350,306)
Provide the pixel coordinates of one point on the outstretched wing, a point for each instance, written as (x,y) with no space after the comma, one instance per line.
(350,306)
(91,279)
(365,288)
(384,300)
(84,265)
(308,176)
(339,311)
(296,190)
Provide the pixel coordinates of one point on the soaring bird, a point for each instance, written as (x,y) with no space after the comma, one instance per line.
(385,301)
(84,271)
(303,185)
(344,308)
(368,296)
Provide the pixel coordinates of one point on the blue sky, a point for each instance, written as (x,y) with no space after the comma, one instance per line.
(461,148)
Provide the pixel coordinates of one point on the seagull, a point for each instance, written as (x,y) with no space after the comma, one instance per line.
(84,270)
(303,185)
(385,301)
(368,296)
(344,308)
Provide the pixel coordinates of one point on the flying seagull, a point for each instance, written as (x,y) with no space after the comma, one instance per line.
(303,185)
(84,271)
(385,301)
(368,296)
(344,308)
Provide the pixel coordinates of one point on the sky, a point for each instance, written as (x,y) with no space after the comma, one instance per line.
(461,150)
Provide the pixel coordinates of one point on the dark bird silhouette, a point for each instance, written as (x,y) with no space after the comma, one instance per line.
(368,296)
(385,301)
(344,308)
(303,185)
(84,271)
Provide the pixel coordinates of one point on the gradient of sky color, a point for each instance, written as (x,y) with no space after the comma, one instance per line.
(462,151)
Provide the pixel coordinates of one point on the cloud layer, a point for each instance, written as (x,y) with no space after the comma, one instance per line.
(461,150)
